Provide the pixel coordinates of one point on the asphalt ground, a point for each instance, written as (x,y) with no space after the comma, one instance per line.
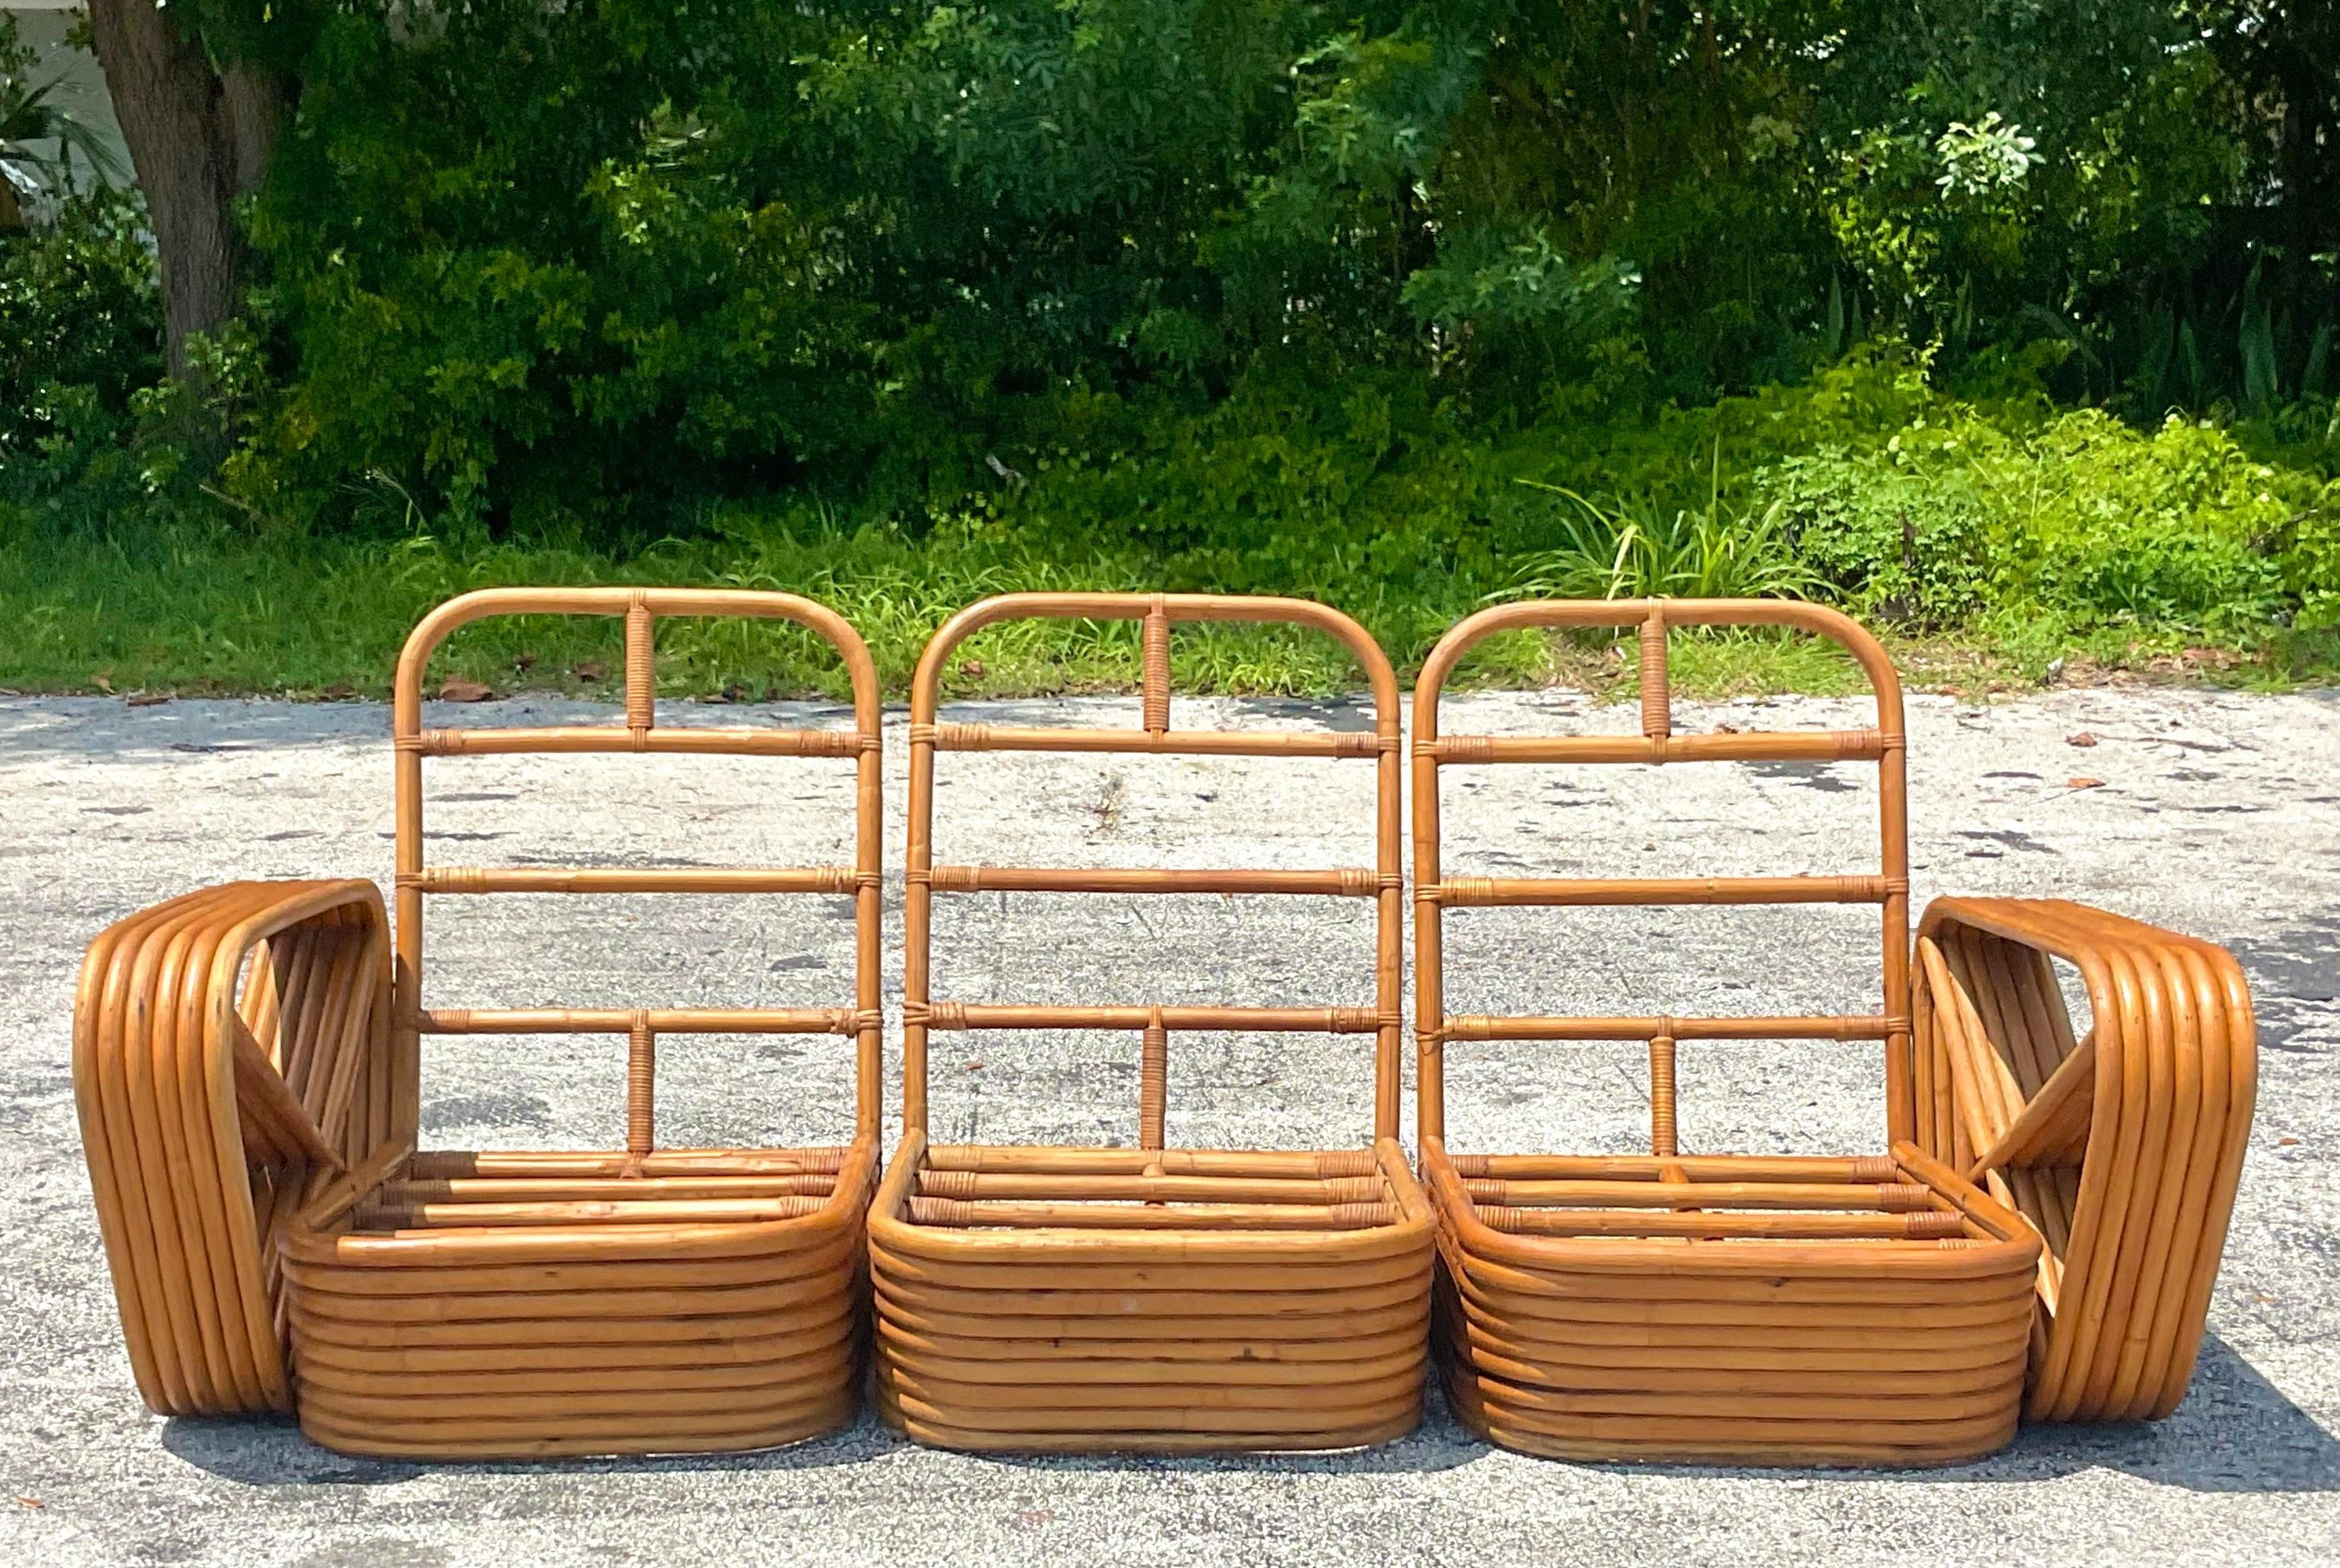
(2217,814)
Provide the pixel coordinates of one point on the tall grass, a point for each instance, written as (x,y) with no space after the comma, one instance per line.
(197,611)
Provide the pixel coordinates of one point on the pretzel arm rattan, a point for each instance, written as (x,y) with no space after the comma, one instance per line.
(2123,1146)
(230,1055)
(1150,1299)
(1705,1308)
(630,1300)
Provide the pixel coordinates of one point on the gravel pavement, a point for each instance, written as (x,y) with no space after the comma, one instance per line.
(2217,814)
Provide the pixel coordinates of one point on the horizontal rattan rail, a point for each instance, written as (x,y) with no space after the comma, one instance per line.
(1480,892)
(1717,1309)
(599,880)
(966,1015)
(1341,882)
(655,1019)
(1840,1025)
(1150,1298)
(1150,741)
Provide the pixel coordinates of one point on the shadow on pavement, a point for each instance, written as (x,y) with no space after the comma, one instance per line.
(2235,1433)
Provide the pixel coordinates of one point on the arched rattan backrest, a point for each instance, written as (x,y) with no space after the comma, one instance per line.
(1658,744)
(1156,613)
(640,734)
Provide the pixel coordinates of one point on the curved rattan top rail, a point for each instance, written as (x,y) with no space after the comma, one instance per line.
(1156,614)
(1885,746)
(640,734)
(2123,1146)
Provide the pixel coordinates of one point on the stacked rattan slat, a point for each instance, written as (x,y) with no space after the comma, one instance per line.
(1150,1299)
(229,1053)
(2123,1147)
(1712,1309)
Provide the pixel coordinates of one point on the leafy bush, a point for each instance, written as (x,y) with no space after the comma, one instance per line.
(2081,514)
(1898,546)
(610,268)
(81,317)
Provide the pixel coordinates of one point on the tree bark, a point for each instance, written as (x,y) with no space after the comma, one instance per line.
(199,136)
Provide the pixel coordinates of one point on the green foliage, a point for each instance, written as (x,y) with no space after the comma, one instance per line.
(2081,516)
(39,141)
(2035,530)
(81,319)
(1639,549)
(1396,304)
(604,267)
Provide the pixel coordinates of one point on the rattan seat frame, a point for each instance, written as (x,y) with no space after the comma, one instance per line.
(1150,1299)
(1719,1309)
(277,1241)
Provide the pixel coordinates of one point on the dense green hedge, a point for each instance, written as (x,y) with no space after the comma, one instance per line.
(2011,528)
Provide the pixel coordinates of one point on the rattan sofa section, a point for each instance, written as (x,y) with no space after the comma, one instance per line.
(1706,1308)
(1149,1299)
(247,1065)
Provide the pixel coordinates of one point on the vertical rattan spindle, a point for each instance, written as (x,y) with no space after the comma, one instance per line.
(642,670)
(406,963)
(1661,1097)
(1153,1083)
(1156,642)
(642,1086)
(1428,963)
(1657,692)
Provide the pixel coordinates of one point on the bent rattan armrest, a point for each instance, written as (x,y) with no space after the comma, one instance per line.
(2123,1146)
(230,1051)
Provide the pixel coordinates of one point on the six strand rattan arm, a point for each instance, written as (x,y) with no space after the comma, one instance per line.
(230,1053)
(2123,1148)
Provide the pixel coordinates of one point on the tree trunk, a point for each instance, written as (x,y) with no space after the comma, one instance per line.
(199,137)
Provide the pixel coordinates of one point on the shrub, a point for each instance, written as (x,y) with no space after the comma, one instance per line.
(2080,514)
(1638,550)
(81,314)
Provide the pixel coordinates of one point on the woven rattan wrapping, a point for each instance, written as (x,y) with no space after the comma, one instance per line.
(1144,1299)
